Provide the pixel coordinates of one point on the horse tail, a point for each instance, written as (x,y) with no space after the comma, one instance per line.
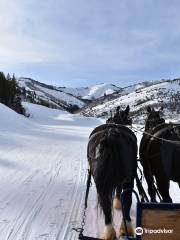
(109,165)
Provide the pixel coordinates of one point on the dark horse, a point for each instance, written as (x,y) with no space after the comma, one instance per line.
(112,152)
(120,117)
(160,154)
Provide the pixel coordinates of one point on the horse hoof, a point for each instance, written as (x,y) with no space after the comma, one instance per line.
(116,203)
(109,233)
(130,229)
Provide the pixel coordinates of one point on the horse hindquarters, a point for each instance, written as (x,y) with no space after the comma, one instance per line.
(117,162)
(170,159)
(152,162)
(104,170)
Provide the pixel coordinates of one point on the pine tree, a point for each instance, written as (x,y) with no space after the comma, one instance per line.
(10,93)
(8,77)
(4,91)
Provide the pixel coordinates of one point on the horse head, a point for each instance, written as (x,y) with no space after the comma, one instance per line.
(121,117)
(124,118)
(153,118)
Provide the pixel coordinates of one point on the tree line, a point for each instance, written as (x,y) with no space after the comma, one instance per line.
(10,93)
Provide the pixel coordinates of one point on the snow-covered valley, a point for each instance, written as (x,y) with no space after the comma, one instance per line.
(43,169)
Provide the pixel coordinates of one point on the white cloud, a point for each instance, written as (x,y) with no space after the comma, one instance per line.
(89,37)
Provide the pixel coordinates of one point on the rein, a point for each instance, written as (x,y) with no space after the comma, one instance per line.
(155,137)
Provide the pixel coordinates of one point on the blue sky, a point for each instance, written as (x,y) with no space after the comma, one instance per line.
(84,42)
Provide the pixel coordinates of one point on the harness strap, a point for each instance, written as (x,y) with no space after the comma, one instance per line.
(87,187)
(80,230)
(140,188)
(156,137)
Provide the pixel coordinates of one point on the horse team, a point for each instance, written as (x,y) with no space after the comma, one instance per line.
(112,156)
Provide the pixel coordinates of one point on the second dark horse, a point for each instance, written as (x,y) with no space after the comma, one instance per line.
(160,154)
(112,152)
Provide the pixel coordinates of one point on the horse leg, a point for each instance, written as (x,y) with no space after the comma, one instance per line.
(127,208)
(150,183)
(105,202)
(116,200)
(163,187)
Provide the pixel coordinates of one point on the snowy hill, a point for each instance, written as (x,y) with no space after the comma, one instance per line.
(164,93)
(93,92)
(48,95)
(43,169)
(10,120)
(69,99)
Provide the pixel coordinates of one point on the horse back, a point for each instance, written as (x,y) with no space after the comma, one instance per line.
(111,129)
(151,140)
(117,127)
(122,150)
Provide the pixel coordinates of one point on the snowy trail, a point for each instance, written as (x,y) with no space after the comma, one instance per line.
(43,168)
(43,171)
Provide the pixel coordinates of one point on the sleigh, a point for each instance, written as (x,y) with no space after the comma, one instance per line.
(158,221)
(154,221)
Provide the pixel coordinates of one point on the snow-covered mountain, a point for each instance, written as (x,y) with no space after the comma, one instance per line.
(164,93)
(93,92)
(69,99)
(48,95)
(98,100)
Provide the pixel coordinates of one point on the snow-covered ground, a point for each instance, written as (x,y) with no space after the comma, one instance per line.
(43,169)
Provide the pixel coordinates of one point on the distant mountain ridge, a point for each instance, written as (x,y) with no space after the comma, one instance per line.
(164,93)
(69,99)
(93,92)
(48,95)
(99,99)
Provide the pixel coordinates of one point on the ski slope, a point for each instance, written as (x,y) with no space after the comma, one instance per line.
(43,169)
